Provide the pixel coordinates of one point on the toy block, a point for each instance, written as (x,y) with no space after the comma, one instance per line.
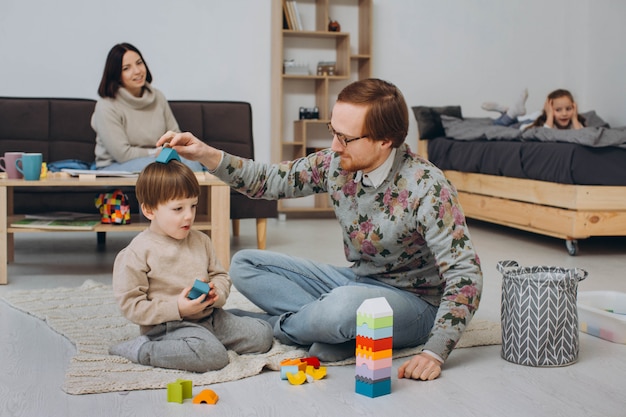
(373,389)
(382,333)
(318,373)
(179,390)
(374,364)
(293,366)
(373,374)
(166,155)
(199,288)
(368,353)
(206,396)
(375,312)
(298,378)
(374,344)
(312,361)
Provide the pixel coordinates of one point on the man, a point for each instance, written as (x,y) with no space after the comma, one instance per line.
(404,231)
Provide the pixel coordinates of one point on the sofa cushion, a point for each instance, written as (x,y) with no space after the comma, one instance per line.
(71,135)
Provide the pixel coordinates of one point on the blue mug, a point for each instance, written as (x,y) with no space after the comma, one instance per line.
(29,165)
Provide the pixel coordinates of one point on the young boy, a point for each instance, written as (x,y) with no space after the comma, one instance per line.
(153,275)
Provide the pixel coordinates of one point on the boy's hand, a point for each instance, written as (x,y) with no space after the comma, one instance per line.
(187,307)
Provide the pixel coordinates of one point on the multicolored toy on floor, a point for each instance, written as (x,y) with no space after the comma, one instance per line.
(182,389)
(114,207)
(297,370)
(374,342)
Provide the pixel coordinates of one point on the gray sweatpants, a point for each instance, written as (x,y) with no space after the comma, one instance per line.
(202,346)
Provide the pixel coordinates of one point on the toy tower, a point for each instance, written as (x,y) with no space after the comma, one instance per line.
(374,340)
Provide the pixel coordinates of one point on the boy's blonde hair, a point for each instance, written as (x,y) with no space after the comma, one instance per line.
(159,183)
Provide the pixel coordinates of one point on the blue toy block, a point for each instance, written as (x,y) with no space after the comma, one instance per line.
(373,389)
(199,288)
(166,155)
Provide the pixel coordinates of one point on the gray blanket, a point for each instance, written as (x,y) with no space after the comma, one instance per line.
(484,129)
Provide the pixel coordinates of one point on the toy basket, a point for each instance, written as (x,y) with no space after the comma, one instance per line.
(539,314)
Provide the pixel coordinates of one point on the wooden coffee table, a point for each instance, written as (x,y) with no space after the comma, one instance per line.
(215,220)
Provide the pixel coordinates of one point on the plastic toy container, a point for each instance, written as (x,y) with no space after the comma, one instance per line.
(603,314)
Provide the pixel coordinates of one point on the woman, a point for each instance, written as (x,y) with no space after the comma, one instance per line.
(131,114)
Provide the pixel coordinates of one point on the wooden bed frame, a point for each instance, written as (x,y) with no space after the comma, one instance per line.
(565,211)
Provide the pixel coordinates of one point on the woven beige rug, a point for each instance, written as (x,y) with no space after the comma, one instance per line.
(89,317)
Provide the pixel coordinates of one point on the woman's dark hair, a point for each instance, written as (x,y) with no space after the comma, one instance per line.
(541,120)
(112,75)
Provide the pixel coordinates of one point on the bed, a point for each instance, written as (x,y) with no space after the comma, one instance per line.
(570,185)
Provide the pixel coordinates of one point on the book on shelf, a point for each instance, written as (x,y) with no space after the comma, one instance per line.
(62,215)
(292,15)
(287,23)
(296,15)
(56,224)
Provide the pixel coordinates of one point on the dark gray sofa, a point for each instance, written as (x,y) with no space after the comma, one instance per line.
(60,129)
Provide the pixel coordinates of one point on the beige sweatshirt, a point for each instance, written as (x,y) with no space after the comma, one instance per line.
(150,273)
(127,127)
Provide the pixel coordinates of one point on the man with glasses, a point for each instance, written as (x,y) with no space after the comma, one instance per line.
(403,230)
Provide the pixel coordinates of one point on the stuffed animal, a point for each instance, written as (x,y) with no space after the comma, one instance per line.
(114,207)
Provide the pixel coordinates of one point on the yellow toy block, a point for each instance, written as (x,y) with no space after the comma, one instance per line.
(318,373)
(296,379)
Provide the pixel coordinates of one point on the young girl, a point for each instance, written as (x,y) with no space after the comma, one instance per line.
(153,275)
(560,111)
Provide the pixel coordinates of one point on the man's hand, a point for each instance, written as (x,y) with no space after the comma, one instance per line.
(421,366)
(190,147)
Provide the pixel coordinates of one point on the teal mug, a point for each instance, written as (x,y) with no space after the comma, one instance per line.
(29,165)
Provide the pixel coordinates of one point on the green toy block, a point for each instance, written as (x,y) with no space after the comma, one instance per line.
(375,312)
(179,391)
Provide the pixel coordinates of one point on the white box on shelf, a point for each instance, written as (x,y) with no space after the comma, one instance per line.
(603,314)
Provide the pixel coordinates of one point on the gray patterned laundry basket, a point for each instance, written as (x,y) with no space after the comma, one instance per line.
(539,314)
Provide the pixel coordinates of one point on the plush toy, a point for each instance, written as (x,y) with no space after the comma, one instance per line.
(114,207)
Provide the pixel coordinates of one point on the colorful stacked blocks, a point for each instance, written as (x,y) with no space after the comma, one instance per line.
(374,341)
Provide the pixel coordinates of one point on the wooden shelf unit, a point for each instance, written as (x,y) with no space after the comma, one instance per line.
(351,48)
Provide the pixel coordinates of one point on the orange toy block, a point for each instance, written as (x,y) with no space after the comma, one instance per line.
(206,396)
(367,353)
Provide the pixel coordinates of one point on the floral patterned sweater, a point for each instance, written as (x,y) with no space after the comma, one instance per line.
(409,232)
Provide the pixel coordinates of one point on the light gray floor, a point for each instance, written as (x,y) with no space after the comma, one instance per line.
(475,381)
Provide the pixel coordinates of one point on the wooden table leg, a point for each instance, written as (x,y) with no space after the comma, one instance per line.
(3,236)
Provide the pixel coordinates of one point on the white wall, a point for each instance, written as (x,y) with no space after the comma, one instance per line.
(438,52)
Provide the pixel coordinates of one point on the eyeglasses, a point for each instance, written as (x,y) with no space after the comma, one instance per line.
(341,137)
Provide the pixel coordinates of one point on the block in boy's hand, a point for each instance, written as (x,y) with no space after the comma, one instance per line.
(199,288)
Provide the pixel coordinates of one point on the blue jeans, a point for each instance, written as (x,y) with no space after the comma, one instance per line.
(317,302)
(137,164)
(505,120)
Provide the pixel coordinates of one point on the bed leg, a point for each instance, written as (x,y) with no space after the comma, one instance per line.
(572,246)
